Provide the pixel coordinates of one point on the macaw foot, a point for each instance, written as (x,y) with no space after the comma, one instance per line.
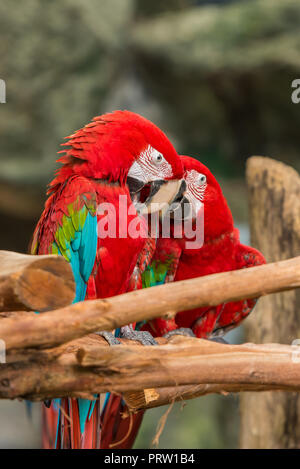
(181,331)
(109,337)
(48,403)
(219,340)
(144,337)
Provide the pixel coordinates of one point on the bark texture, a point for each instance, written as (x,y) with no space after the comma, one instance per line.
(68,323)
(272,420)
(29,282)
(89,366)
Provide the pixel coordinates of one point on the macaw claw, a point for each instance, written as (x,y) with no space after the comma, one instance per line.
(144,337)
(219,340)
(186,331)
(109,337)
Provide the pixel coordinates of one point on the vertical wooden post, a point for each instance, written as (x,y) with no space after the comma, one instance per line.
(272,419)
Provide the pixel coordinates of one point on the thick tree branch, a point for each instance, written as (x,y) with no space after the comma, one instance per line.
(89,366)
(59,326)
(157,397)
(34,283)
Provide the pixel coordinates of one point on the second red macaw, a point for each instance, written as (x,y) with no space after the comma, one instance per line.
(176,259)
(221,251)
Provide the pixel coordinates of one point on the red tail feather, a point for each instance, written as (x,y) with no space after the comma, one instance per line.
(61,427)
(119,425)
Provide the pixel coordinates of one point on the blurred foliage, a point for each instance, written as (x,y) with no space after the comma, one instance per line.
(57,59)
(215,75)
(211,39)
(224,77)
(145,8)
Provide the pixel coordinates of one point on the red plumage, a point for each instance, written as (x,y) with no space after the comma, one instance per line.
(221,252)
(94,171)
(119,426)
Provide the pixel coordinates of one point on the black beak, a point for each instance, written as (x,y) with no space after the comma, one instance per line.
(135,185)
(181,209)
(179,195)
(154,188)
(161,194)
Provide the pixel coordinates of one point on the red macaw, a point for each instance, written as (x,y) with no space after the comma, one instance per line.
(221,252)
(117,158)
(175,260)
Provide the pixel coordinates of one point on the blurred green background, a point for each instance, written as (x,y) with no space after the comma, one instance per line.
(214,75)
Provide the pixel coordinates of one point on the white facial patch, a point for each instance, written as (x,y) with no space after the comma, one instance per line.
(150,166)
(195,191)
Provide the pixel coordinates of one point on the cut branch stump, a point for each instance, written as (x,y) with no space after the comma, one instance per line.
(272,420)
(40,283)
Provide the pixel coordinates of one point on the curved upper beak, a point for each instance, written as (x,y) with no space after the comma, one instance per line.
(181,209)
(161,195)
(135,185)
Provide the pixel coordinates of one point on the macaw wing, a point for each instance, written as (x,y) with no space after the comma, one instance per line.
(143,263)
(155,274)
(164,265)
(234,313)
(159,273)
(68,227)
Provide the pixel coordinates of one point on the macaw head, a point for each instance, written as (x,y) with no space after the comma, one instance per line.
(125,148)
(203,193)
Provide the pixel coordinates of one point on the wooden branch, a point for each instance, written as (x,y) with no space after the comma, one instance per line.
(157,397)
(85,368)
(34,283)
(59,326)
(17,314)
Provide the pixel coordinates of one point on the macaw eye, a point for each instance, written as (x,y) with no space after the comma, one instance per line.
(202,179)
(158,158)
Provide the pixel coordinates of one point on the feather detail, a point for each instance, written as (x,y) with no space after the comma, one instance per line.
(68,227)
(95,161)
